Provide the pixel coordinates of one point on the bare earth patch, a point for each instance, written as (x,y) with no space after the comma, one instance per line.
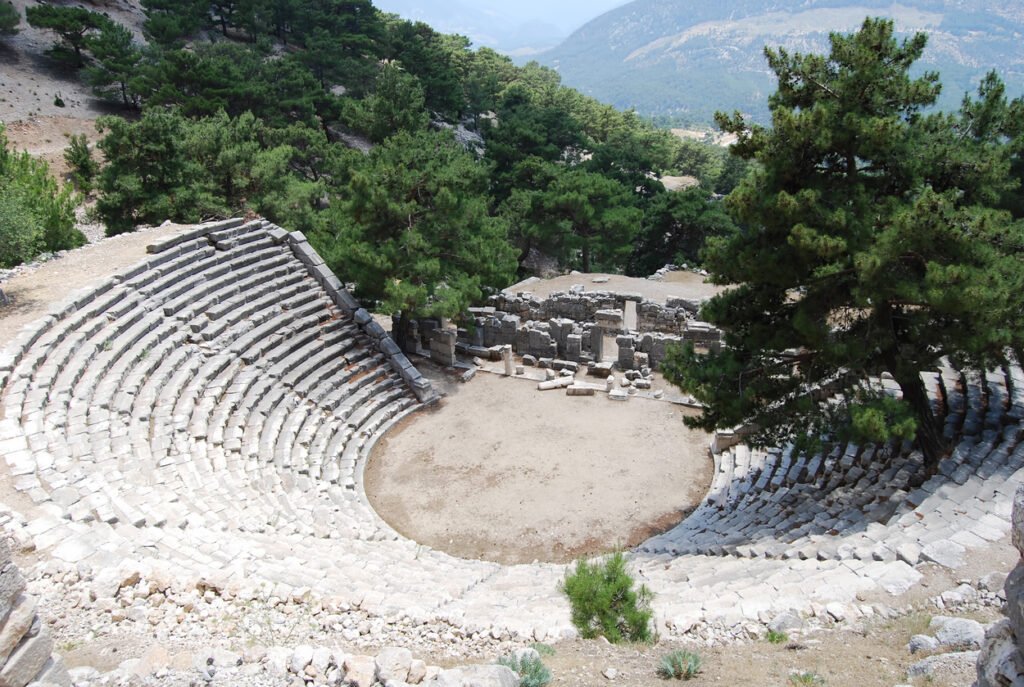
(504,472)
(675,285)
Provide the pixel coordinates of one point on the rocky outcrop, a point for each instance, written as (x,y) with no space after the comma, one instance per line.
(26,648)
(1001,662)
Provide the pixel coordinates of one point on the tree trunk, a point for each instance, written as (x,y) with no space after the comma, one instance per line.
(402,330)
(586,258)
(929,435)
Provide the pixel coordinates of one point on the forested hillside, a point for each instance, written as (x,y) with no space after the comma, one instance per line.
(423,170)
(682,59)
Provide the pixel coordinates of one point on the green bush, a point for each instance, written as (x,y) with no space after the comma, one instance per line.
(531,670)
(604,602)
(679,665)
(83,166)
(35,213)
(777,637)
(9,18)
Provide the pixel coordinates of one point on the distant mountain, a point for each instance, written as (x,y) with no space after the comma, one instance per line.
(688,58)
(523,27)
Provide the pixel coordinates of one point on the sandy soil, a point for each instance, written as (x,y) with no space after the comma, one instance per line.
(504,472)
(870,656)
(47,137)
(675,285)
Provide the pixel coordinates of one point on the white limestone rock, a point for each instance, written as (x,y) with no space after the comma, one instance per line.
(919,643)
(946,553)
(957,633)
(394,664)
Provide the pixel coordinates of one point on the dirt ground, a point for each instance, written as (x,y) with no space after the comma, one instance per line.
(30,82)
(47,137)
(504,472)
(675,285)
(874,655)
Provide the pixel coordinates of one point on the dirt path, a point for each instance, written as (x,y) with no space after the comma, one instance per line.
(504,472)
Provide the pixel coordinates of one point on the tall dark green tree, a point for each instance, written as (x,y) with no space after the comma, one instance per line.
(592,218)
(397,103)
(117,58)
(169,22)
(9,18)
(74,25)
(341,41)
(870,245)
(675,228)
(414,232)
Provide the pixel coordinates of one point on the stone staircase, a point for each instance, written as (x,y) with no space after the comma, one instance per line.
(211,409)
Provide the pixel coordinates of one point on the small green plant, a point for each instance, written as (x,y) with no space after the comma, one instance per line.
(543,649)
(531,670)
(83,166)
(604,602)
(58,101)
(679,665)
(777,637)
(805,678)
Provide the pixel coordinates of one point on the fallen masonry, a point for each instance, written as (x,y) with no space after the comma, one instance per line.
(208,413)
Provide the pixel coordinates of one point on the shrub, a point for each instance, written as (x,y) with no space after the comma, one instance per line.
(805,678)
(679,665)
(604,602)
(83,166)
(531,670)
(777,637)
(35,214)
(543,649)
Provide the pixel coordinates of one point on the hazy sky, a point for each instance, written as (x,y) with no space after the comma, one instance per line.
(566,15)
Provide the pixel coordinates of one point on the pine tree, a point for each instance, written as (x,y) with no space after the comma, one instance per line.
(870,246)
(415,233)
(117,61)
(74,25)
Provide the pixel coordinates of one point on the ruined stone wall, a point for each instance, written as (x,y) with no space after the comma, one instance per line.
(26,648)
(672,317)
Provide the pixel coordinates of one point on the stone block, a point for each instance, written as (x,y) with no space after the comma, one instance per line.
(375,331)
(559,383)
(393,665)
(16,625)
(27,660)
(580,391)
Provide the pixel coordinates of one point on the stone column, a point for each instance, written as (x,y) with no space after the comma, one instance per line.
(506,355)
(597,343)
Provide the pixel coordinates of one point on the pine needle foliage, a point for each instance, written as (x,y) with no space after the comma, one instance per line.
(873,243)
(605,603)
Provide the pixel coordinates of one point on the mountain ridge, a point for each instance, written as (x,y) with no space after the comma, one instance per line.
(683,60)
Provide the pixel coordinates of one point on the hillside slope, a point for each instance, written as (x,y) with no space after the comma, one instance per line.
(687,59)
